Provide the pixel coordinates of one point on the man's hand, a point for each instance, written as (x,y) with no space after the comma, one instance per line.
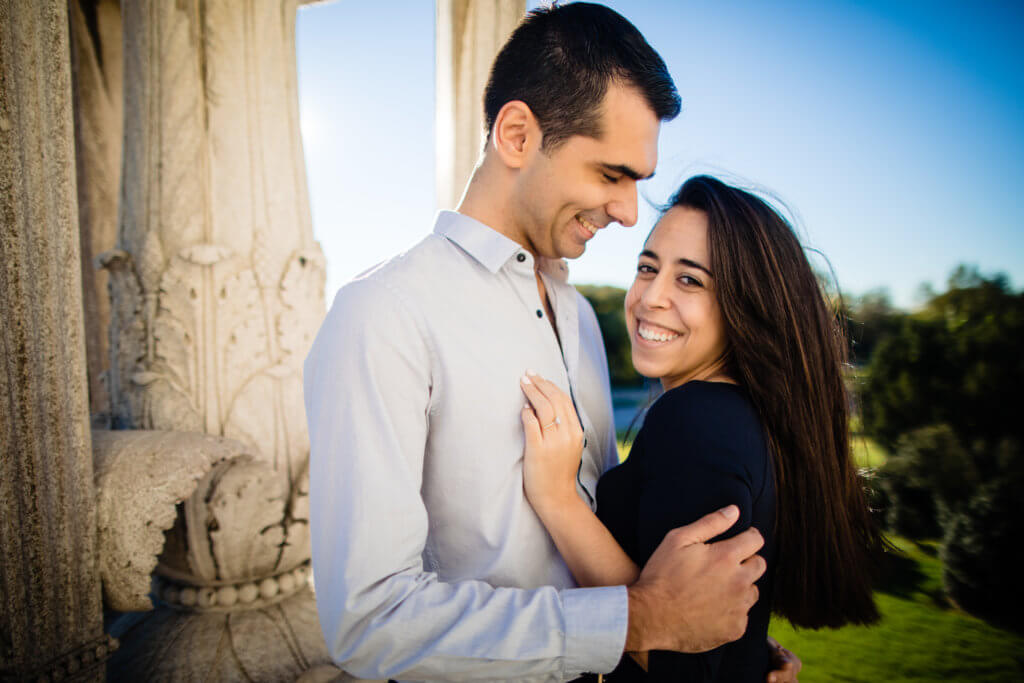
(692,596)
(785,664)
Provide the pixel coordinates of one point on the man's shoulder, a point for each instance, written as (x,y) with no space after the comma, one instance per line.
(387,300)
(403,274)
(426,255)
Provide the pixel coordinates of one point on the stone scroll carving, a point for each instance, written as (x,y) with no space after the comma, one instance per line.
(216,290)
(141,477)
(261,324)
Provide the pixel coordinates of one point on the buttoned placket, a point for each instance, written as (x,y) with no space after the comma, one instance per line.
(525,266)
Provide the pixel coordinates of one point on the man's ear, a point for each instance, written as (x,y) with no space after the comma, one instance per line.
(515,133)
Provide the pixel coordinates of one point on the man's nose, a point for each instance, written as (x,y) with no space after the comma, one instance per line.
(623,207)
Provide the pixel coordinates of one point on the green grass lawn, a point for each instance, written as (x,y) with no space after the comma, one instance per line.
(920,637)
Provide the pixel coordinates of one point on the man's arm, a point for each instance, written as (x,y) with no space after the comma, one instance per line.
(368,384)
(686,577)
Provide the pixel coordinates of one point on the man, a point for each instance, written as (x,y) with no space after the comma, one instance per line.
(430,564)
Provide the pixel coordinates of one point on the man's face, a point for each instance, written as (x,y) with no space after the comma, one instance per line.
(564,197)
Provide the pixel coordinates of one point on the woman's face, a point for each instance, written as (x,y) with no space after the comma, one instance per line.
(672,313)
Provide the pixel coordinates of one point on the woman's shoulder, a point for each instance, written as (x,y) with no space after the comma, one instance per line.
(699,402)
(711,414)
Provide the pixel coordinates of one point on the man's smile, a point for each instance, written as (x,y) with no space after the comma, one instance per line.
(591,228)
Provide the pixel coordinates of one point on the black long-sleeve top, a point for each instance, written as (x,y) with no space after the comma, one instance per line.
(701,447)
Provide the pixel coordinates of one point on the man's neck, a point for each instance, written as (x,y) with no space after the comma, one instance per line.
(488,199)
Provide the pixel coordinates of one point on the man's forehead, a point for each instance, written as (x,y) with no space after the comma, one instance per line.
(628,135)
(632,155)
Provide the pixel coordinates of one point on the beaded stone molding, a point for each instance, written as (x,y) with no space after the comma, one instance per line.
(69,665)
(225,598)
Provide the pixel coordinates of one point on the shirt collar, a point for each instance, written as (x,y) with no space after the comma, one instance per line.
(488,246)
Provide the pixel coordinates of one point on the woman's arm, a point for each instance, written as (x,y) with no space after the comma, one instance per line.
(593,555)
(554,445)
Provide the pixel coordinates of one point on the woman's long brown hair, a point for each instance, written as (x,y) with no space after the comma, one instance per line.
(787,348)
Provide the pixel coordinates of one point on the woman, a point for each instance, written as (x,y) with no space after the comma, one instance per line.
(726,311)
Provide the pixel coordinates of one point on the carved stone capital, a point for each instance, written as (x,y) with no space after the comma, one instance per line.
(141,477)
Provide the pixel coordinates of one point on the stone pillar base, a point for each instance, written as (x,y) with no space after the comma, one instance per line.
(278,642)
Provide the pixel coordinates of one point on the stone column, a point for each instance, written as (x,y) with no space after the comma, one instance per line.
(469,35)
(96,83)
(50,613)
(216,294)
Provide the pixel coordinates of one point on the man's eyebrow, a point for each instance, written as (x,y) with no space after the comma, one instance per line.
(625,170)
(684,261)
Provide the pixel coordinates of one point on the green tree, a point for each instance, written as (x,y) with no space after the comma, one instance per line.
(870,318)
(608,303)
(944,390)
(927,478)
(981,551)
(957,362)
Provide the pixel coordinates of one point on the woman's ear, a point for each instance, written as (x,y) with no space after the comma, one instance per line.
(515,133)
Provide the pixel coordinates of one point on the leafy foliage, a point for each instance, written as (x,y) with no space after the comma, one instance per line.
(929,475)
(981,548)
(956,362)
(608,303)
(870,318)
(943,391)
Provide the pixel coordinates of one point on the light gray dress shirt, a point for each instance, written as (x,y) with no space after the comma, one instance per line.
(429,562)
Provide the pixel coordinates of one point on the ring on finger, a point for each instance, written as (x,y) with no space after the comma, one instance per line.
(557,421)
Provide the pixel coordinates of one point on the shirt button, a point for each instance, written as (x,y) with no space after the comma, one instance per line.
(520,257)
(540,313)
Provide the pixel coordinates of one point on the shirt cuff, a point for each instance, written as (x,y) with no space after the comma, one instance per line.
(595,628)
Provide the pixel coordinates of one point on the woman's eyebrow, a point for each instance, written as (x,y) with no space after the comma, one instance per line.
(684,261)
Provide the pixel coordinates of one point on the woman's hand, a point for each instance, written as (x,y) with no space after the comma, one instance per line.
(554,445)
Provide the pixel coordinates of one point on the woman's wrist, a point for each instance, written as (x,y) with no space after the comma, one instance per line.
(555,507)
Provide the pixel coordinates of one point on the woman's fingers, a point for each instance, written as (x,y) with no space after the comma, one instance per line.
(561,403)
(531,427)
(541,405)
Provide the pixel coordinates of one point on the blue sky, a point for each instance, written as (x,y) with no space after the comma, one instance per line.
(894,131)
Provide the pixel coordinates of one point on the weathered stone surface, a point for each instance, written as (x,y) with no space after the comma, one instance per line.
(217,283)
(141,476)
(49,588)
(216,293)
(469,34)
(276,643)
(96,80)
(329,672)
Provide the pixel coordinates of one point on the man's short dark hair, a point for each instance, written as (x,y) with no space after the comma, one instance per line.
(560,60)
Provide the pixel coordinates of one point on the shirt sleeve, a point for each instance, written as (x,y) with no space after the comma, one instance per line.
(698,458)
(368,383)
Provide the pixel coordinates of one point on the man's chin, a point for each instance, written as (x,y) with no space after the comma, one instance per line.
(574,250)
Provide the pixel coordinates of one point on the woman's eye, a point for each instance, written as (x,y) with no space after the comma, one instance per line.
(646,269)
(690,281)
(609,178)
